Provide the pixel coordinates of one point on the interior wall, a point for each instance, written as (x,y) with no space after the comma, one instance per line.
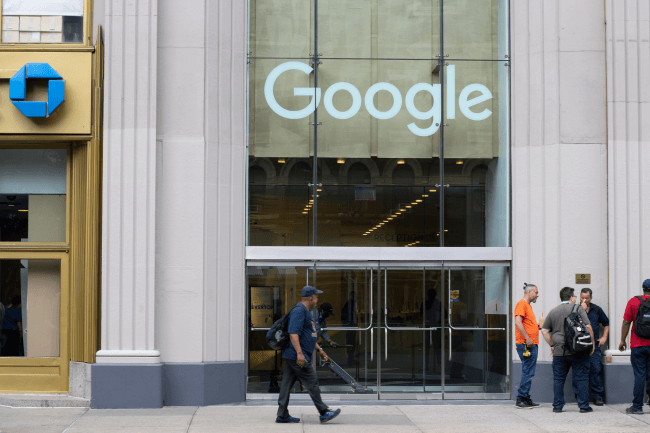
(559,149)
(43,308)
(46,218)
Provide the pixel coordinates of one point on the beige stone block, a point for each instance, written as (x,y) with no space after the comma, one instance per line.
(30,24)
(10,36)
(10,23)
(51,23)
(51,37)
(30,37)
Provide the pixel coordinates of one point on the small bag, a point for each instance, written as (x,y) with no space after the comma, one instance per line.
(577,339)
(642,320)
(277,336)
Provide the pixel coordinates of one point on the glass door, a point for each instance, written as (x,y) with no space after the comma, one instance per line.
(476,332)
(347,311)
(411,332)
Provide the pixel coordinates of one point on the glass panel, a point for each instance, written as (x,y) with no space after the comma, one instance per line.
(402,364)
(380,216)
(272,291)
(280,215)
(379,29)
(30,290)
(477,297)
(435,317)
(476,29)
(39,21)
(281,28)
(33,195)
(477,155)
(348,293)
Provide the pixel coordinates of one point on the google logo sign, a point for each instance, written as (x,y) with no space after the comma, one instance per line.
(464,101)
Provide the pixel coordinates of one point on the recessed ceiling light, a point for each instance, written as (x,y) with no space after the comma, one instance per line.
(389,218)
(418,201)
(432,190)
(408,207)
(281,160)
(425,195)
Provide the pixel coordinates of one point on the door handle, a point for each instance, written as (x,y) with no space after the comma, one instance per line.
(450,344)
(372,352)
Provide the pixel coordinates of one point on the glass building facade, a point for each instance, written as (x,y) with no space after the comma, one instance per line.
(382,124)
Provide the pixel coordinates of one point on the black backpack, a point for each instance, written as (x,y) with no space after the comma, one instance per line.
(577,339)
(277,336)
(642,320)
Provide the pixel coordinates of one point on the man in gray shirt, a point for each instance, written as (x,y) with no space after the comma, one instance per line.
(563,359)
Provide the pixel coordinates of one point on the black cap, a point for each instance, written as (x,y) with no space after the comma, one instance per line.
(646,284)
(326,306)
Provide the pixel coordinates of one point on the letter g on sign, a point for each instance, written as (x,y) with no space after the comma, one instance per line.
(297,91)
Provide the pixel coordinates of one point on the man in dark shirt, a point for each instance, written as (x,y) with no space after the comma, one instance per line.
(596,317)
(325,311)
(563,359)
(297,357)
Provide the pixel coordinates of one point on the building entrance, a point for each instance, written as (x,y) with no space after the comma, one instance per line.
(435,330)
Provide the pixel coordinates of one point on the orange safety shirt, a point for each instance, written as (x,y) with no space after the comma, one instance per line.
(525,310)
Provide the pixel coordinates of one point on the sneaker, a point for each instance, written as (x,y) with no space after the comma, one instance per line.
(522,403)
(329,415)
(634,411)
(286,419)
(599,402)
(586,409)
(555,410)
(531,403)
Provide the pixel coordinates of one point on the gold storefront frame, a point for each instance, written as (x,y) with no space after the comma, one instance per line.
(80,254)
(24,375)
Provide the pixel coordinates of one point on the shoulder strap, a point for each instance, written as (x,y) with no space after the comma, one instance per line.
(642,299)
(575,308)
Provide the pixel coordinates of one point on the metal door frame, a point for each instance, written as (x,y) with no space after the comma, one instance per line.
(385,265)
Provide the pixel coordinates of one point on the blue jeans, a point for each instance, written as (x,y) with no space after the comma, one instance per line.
(640,360)
(580,381)
(595,375)
(528,365)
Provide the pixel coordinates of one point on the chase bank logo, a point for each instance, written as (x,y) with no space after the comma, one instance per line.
(55,89)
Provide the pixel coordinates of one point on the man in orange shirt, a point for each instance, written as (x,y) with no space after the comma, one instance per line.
(527,339)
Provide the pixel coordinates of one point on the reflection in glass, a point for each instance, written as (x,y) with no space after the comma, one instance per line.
(30,290)
(477,298)
(33,195)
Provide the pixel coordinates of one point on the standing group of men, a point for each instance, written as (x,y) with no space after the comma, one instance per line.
(586,366)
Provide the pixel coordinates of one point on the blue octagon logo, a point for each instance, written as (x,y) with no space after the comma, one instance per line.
(55,90)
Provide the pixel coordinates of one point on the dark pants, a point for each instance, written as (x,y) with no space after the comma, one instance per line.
(307,376)
(580,365)
(528,365)
(640,360)
(12,344)
(596,375)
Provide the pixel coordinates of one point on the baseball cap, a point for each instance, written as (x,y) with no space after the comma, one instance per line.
(646,284)
(326,306)
(310,290)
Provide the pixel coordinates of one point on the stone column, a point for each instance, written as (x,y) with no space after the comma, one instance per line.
(128,372)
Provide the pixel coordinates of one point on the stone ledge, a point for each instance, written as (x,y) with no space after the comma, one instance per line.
(42,400)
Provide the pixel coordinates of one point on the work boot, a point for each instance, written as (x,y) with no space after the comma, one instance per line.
(586,409)
(599,402)
(286,419)
(634,411)
(522,403)
(329,415)
(531,403)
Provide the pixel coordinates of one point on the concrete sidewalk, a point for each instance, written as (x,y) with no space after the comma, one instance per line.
(353,418)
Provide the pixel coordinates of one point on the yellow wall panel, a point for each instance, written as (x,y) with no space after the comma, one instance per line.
(73,116)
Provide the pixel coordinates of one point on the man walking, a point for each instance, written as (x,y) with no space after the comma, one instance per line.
(596,317)
(640,358)
(297,357)
(527,341)
(563,359)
